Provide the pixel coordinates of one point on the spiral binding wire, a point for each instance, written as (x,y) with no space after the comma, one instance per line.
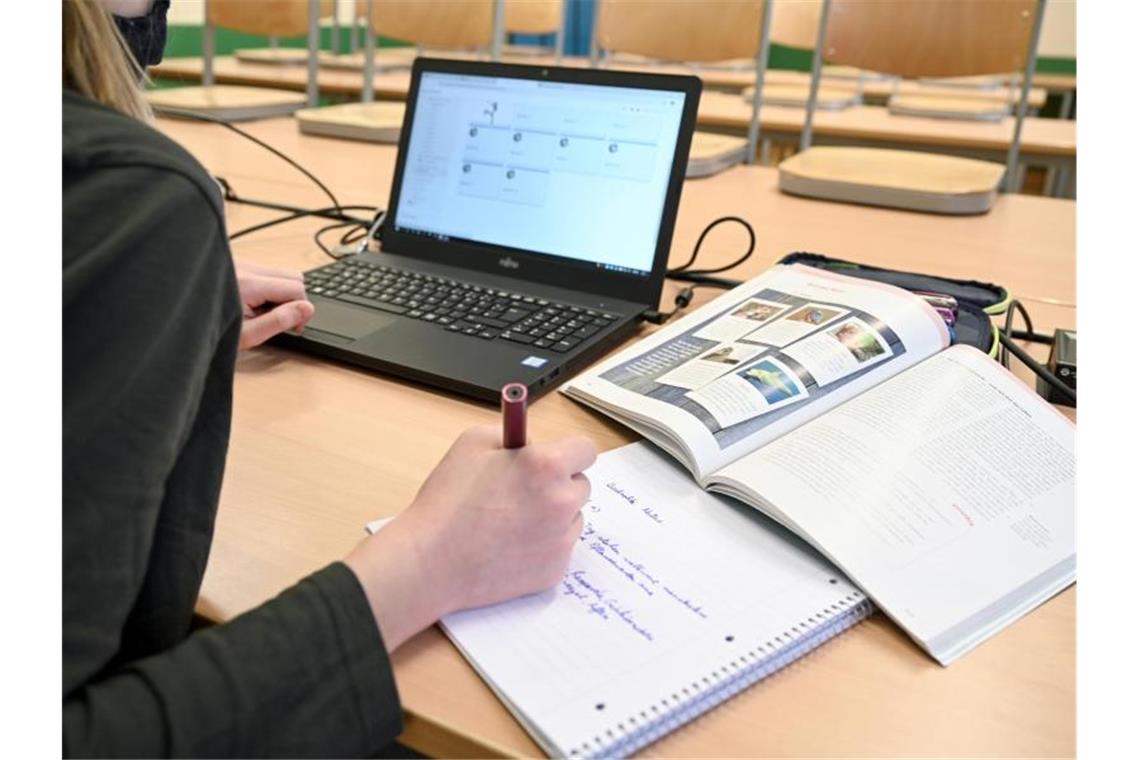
(657,720)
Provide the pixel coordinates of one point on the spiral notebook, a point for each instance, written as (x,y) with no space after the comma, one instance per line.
(674,601)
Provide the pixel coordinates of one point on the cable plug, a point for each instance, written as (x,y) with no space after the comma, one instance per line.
(683,298)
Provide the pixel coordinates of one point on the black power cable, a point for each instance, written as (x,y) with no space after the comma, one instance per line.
(301,214)
(702,278)
(187,114)
(336,211)
(1006,337)
(684,272)
(1040,370)
(335,226)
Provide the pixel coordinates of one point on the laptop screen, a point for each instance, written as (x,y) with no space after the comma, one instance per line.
(577,171)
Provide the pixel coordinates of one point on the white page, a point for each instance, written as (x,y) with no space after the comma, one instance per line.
(667,586)
(730,416)
(946,493)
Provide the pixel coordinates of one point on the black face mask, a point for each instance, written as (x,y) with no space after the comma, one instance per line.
(146,35)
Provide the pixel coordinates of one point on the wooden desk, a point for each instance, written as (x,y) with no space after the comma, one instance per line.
(729,79)
(318,449)
(391,85)
(1040,138)
(1064,85)
(875,91)
(1055,82)
(1051,143)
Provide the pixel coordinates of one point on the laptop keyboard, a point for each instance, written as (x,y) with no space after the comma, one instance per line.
(457,306)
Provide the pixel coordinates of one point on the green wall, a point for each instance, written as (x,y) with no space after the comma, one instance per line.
(798,59)
(186,40)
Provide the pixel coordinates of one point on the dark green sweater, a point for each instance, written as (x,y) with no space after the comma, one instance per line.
(150,327)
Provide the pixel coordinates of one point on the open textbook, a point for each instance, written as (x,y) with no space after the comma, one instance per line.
(938,482)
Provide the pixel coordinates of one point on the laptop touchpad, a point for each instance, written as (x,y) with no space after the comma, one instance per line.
(346,321)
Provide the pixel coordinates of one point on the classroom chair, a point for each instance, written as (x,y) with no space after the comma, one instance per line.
(931,38)
(794,25)
(270,18)
(473,27)
(692,31)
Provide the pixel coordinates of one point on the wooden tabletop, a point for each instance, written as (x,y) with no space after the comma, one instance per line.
(1055,82)
(1039,137)
(873,89)
(724,78)
(334,81)
(729,111)
(318,449)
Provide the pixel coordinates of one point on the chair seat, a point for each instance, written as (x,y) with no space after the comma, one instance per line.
(977,82)
(893,178)
(828,98)
(371,122)
(274,56)
(855,74)
(711,153)
(962,109)
(385,59)
(227,102)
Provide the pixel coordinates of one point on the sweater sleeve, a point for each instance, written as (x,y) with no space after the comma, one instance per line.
(303,675)
(151,321)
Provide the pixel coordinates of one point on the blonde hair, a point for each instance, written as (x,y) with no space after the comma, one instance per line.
(97,62)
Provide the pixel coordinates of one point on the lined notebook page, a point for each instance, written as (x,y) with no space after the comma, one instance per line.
(673,600)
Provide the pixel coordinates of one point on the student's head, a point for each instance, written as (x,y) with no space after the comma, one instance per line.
(97,62)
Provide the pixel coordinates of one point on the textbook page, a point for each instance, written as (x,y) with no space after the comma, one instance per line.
(946,493)
(761,360)
(668,588)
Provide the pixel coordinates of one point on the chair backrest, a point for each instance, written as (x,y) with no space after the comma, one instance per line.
(270,18)
(691,31)
(532,16)
(931,38)
(436,23)
(680,30)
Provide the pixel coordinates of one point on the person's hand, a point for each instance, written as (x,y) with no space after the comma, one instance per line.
(272,301)
(488,524)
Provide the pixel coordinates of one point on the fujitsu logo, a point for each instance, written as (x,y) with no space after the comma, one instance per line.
(508,263)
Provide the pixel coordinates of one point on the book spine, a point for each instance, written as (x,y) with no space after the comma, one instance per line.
(657,720)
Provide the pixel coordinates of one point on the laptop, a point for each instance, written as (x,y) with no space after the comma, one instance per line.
(528,227)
